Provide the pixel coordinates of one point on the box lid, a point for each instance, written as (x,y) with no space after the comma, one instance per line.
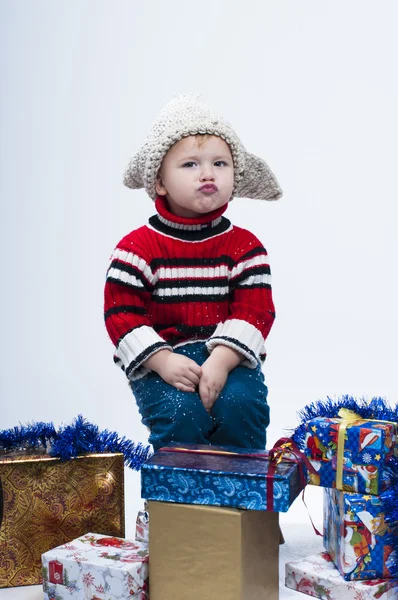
(244,465)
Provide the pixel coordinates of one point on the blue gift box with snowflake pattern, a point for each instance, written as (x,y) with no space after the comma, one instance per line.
(357,536)
(237,480)
(368,445)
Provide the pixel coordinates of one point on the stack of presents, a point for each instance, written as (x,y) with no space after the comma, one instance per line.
(210,528)
(356,462)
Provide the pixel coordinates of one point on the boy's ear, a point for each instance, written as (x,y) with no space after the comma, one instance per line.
(160,188)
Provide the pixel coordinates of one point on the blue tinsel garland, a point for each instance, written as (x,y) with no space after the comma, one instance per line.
(376,408)
(76,439)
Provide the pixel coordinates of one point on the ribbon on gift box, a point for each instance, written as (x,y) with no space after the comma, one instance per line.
(284,450)
(348,417)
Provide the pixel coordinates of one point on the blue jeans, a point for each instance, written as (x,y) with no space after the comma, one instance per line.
(239,416)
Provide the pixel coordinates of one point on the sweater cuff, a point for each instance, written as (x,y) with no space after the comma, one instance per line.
(241,336)
(137,346)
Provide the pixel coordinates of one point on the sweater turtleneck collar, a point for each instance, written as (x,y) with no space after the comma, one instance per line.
(190,229)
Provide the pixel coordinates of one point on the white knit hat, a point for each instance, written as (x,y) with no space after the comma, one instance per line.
(188,115)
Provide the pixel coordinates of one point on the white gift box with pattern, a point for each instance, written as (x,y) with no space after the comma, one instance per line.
(96,567)
(317,576)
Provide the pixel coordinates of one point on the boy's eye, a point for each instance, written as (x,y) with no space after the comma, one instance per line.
(188,164)
(220,163)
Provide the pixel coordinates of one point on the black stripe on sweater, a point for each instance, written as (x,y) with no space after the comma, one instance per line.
(236,342)
(255,270)
(197,282)
(189,235)
(253,286)
(259,270)
(257,251)
(136,310)
(131,270)
(144,355)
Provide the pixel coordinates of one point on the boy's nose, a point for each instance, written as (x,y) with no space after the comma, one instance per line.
(207,173)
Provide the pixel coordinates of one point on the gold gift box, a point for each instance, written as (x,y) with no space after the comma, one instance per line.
(45,502)
(212,553)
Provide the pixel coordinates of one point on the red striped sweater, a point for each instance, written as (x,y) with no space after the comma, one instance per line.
(178,280)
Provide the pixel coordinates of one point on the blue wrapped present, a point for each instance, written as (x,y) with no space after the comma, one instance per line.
(221,476)
(358,535)
(351,453)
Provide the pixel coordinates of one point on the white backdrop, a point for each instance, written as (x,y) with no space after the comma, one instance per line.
(310,86)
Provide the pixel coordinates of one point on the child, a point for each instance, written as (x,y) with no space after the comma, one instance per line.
(188,300)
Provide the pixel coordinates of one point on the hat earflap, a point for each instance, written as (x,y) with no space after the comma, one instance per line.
(133,175)
(258,181)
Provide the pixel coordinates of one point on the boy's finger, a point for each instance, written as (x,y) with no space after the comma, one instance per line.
(183,387)
(193,378)
(187,381)
(204,394)
(195,368)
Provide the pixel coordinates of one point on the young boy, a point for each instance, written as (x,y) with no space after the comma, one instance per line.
(188,300)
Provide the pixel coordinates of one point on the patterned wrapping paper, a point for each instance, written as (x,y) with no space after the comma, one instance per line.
(317,576)
(47,502)
(354,535)
(97,568)
(219,480)
(367,448)
(142,525)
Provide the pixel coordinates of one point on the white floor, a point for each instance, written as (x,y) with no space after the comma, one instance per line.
(300,540)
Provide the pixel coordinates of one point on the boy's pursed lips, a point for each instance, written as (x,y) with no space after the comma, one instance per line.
(208,188)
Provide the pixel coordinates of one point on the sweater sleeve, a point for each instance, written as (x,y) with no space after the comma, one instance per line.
(128,288)
(251,310)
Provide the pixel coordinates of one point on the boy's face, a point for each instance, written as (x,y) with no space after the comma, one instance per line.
(196,176)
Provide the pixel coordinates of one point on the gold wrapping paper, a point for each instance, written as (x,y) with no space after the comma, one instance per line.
(45,502)
(212,553)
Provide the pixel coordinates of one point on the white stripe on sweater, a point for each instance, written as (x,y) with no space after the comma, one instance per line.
(196,227)
(135,261)
(125,278)
(256,261)
(255,279)
(192,290)
(136,342)
(192,272)
(244,333)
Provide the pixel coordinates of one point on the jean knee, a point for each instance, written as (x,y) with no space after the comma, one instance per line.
(171,414)
(243,397)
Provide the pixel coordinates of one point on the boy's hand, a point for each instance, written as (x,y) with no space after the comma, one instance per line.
(215,371)
(179,371)
(211,383)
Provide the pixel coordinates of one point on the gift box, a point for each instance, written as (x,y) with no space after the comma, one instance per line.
(96,567)
(47,502)
(317,576)
(209,552)
(351,454)
(218,476)
(356,535)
